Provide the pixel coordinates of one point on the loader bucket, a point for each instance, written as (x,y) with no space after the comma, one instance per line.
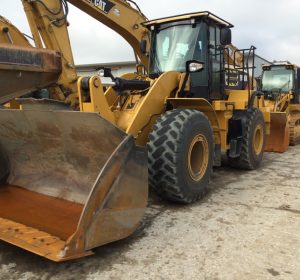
(70,182)
(278,139)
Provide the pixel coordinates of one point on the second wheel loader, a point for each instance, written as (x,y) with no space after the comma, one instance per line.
(281,88)
(75,180)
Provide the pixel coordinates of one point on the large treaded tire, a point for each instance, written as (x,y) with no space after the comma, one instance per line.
(249,159)
(170,146)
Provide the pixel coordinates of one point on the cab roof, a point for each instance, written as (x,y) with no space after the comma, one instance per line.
(190,16)
(279,64)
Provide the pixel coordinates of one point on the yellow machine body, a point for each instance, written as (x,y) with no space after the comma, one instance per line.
(74,180)
(284,106)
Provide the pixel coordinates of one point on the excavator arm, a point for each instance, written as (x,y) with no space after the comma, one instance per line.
(9,34)
(121,17)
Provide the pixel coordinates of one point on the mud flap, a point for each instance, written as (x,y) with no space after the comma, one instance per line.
(74,182)
(278,139)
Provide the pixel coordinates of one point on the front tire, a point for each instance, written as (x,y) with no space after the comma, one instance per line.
(180,155)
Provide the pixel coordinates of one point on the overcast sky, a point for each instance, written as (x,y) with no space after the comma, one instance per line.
(273,26)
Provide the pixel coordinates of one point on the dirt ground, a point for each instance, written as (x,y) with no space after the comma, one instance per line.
(247,227)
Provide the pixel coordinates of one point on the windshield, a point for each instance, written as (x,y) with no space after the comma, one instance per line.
(278,78)
(173,46)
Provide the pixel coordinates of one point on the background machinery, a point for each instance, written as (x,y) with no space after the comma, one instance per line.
(23,68)
(280,85)
(72,180)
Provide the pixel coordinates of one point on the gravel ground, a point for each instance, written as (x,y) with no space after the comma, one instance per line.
(247,227)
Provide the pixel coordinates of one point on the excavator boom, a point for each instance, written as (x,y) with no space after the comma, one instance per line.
(121,17)
(48,23)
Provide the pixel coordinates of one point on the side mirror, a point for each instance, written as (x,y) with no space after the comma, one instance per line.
(193,66)
(225,36)
(143,46)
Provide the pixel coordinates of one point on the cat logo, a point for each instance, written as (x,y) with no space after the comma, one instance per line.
(104,5)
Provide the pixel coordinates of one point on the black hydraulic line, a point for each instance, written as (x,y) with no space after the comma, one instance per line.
(63,7)
(123,84)
(64,17)
(55,13)
(27,36)
(137,7)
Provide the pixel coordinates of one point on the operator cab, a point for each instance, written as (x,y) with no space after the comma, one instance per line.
(200,38)
(281,78)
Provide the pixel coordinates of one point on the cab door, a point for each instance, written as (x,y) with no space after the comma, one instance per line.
(216,59)
(200,80)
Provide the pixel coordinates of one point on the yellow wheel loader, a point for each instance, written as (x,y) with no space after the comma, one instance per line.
(75,180)
(280,85)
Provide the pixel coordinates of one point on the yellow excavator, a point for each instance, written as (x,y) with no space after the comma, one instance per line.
(72,180)
(280,85)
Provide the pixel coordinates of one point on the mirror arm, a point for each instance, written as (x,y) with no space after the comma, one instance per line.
(186,78)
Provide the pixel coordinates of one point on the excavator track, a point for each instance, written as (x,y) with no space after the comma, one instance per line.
(294,128)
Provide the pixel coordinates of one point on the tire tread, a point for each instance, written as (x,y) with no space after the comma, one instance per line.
(163,155)
(244,161)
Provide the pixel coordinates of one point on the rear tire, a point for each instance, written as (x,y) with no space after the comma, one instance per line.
(180,155)
(253,143)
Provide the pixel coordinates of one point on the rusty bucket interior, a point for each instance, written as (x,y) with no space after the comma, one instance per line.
(278,139)
(70,182)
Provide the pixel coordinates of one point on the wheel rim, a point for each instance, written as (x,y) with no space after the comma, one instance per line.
(198,157)
(258,138)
